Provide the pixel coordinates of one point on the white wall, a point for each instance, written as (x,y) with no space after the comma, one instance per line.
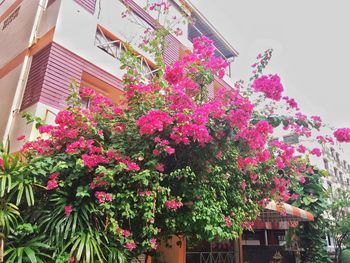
(7,86)
(167,19)
(20,126)
(76,28)
(14,38)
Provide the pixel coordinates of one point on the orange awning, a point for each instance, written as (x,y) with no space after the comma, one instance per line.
(282,212)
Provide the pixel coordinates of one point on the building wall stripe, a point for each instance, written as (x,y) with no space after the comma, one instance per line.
(61,67)
(9,10)
(41,43)
(35,78)
(88,5)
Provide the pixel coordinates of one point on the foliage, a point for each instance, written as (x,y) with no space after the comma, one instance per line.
(345,256)
(26,244)
(109,180)
(311,196)
(339,220)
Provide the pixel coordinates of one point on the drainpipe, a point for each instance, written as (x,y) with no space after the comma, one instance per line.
(17,99)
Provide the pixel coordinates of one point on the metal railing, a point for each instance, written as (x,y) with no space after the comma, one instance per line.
(212,257)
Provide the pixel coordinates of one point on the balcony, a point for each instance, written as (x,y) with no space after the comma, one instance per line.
(203,27)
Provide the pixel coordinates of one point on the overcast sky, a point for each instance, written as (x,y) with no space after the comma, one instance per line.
(311,42)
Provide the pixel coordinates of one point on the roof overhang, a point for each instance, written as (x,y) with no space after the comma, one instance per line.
(203,26)
(282,212)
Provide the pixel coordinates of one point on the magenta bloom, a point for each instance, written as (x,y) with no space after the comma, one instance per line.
(68,209)
(154,120)
(103,197)
(228,221)
(342,135)
(316,152)
(52,184)
(270,85)
(20,138)
(130,246)
(173,204)
(153,243)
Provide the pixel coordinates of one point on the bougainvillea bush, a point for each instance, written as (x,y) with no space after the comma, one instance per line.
(171,159)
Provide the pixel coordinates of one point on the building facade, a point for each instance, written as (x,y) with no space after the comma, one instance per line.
(46,44)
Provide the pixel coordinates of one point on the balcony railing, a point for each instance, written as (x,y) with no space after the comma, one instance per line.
(210,257)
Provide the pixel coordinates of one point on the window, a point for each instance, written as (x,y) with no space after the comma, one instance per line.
(326,164)
(337,157)
(10,18)
(329,184)
(341,177)
(103,88)
(116,48)
(329,240)
(335,172)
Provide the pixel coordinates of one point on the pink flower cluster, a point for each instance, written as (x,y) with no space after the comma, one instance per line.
(316,151)
(270,85)
(228,221)
(130,246)
(154,120)
(103,197)
(342,135)
(68,209)
(52,183)
(173,204)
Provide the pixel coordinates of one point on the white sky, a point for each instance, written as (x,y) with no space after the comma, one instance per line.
(311,42)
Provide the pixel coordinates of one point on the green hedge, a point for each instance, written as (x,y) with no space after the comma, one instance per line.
(345,256)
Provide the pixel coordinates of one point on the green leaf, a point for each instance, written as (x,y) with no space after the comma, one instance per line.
(31,254)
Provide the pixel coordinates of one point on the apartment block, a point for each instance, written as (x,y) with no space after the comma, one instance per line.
(47,44)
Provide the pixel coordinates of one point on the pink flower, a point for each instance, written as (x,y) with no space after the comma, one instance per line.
(130,246)
(169,150)
(291,103)
(153,243)
(103,197)
(126,233)
(302,179)
(160,167)
(244,185)
(46,128)
(316,151)
(132,166)
(72,259)
(93,160)
(68,209)
(52,184)
(228,221)
(342,135)
(301,148)
(154,120)
(155,152)
(54,175)
(295,196)
(280,163)
(20,138)
(173,204)
(270,85)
